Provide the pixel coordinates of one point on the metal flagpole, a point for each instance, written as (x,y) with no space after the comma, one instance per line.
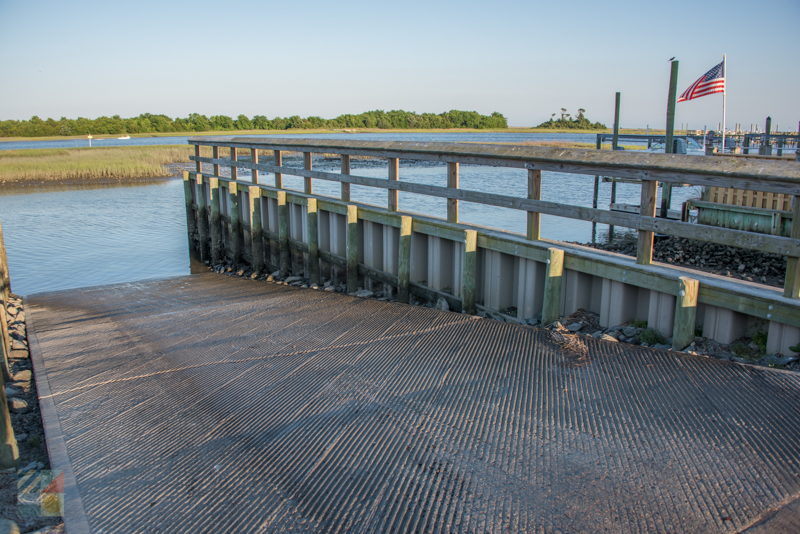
(724,98)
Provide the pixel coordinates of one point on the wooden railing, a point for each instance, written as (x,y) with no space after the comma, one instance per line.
(766,176)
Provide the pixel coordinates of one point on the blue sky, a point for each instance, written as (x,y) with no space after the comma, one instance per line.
(523,59)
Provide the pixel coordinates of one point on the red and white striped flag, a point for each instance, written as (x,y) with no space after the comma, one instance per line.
(709,83)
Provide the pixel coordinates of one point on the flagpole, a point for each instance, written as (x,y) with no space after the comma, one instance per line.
(724,98)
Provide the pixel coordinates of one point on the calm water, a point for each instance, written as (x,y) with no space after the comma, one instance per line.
(77,236)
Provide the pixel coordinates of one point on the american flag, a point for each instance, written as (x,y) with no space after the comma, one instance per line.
(709,83)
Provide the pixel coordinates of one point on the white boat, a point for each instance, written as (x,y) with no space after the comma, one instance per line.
(124,137)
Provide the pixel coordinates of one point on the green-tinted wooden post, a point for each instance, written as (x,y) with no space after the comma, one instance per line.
(554,275)
(352,248)
(615,138)
(203,244)
(452,183)
(404,259)
(312,236)
(791,286)
(596,189)
(278,163)
(766,147)
(5,276)
(534,232)
(9,453)
(394,176)
(191,212)
(470,269)
(685,312)
(234,225)
(215,155)
(234,168)
(307,165)
(673,91)
(197,165)
(283,233)
(215,222)
(256,229)
(345,192)
(254,160)
(647,208)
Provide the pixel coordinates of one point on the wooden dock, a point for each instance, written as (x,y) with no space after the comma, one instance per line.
(209,403)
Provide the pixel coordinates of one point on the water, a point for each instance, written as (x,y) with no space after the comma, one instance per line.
(69,237)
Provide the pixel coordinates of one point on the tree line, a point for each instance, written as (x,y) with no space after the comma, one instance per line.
(567,122)
(196,122)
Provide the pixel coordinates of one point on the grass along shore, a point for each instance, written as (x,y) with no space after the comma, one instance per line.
(89,165)
(278,133)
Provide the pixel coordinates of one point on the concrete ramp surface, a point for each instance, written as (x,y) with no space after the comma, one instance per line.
(209,403)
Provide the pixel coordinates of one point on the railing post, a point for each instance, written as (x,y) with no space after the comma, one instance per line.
(283,232)
(215,155)
(278,163)
(452,183)
(254,161)
(554,273)
(394,176)
(312,236)
(197,165)
(5,277)
(234,241)
(534,193)
(404,258)
(352,248)
(685,312)
(215,228)
(234,168)
(307,166)
(791,286)
(469,273)
(256,229)
(644,248)
(345,194)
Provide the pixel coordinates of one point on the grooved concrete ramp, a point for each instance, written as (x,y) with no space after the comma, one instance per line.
(213,404)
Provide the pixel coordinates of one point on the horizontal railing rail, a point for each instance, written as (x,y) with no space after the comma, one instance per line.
(781,177)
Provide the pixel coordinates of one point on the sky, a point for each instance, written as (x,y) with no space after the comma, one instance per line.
(525,59)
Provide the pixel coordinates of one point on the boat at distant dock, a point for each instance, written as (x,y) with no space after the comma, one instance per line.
(124,137)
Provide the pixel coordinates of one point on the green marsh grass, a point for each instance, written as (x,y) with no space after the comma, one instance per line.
(86,165)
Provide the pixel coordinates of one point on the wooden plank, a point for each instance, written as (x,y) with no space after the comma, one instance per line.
(197,166)
(513,247)
(312,237)
(345,187)
(256,229)
(5,276)
(307,164)
(452,184)
(644,247)
(254,160)
(215,155)
(554,273)
(215,221)
(352,247)
(234,168)
(791,288)
(394,176)
(283,234)
(469,271)
(534,232)
(278,155)
(404,258)
(685,313)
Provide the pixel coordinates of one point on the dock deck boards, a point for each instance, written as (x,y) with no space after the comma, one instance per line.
(210,403)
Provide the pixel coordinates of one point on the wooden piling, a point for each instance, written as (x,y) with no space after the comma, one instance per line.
(283,233)
(312,236)
(534,193)
(345,187)
(202,204)
(554,274)
(215,155)
(644,248)
(254,160)
(685,312)
(791,286)
(191,212)
(197,165)
(452,183)
(394,176)
(469,271)
(307,165)
(352,248)
(404,259)
(215,221)
(234,168)
(256,229)
(5,277)
(234,241)
(278,163)
(673,91)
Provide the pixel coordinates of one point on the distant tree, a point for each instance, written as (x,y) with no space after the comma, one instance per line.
(580,122)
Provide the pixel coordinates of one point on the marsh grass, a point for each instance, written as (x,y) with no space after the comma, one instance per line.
(76,165)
